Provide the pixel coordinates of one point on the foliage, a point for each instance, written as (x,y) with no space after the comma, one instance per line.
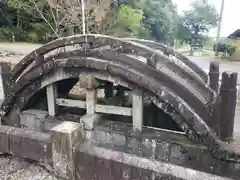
(226,46)
(132,26)
(43,20)
(161,18)
(198,20)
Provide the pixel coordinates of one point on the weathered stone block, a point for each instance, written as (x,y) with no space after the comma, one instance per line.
(33,119)
(4,138)
(49,123)
(33,145)
(90,121)
(104,164)
(94,162)
(88,82)
(65,137)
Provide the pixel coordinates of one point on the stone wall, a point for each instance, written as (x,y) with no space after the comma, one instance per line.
(111,151)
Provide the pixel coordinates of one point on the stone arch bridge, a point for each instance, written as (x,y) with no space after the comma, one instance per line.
(124,87)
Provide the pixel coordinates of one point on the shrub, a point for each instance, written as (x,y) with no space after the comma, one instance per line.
(225,46)
(5,34)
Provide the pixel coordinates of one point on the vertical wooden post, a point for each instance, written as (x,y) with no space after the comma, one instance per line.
(51,99)
(214,76)
(137,111)
(228,94)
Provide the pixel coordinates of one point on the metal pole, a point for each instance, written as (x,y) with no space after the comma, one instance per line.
(219,25)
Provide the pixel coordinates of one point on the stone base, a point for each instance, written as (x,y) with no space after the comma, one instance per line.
(98,163)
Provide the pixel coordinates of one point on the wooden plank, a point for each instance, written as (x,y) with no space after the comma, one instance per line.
(137,111)
(51,99)
(114,110)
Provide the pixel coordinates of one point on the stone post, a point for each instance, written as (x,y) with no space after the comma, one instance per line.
(90,83)
(137,111)
(214,76)
(228,95)
(65,137)
(52,94)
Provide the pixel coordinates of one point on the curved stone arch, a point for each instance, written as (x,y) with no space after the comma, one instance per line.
(184,92)
(63,74)
(214,145)
(202,90)
(169,51)
(101,40)
(135,79)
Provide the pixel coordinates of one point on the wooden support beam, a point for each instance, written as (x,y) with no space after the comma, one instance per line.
(137,112)
(51,99)
(124,111)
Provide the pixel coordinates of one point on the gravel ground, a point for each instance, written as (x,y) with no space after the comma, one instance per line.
(14,168)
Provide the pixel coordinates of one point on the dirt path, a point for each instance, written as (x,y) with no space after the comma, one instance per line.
(20,49)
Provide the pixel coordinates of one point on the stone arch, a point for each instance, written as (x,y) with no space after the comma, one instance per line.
(169,51)
(154,58)
(129,69)
(181,88)
(135,79)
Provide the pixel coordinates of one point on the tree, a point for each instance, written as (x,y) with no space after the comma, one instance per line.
(199,19)
(161,18)
(129,22)
(56,18)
